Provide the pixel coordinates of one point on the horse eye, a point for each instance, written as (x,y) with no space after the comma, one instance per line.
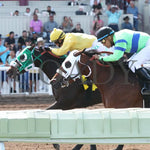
(68,64)
(23,57)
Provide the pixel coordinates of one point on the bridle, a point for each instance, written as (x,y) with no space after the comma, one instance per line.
(67,81)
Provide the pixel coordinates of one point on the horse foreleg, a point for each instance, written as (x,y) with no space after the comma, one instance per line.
(53,106)
(120,147)
(77,147)
(56,146)
(58,105)
(146,101)
(93,147)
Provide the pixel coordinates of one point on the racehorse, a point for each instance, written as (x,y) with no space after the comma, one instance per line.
(72,96)
(118,86)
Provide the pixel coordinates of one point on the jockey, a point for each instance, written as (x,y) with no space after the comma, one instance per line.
(133,42)
(74,41)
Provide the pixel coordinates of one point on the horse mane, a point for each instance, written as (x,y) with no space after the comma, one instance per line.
(49,63)
(91,52)
(47,54)
(94,52)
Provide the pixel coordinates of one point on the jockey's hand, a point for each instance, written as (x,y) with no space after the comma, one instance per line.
(102,61)
(96,57)
(46,48)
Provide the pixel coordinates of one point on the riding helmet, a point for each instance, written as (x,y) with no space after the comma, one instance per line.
(104,32)
(57,34)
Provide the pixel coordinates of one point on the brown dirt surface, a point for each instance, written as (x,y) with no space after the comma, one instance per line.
(22,105)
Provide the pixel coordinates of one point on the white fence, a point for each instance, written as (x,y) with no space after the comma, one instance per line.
(32,82)
(113,126)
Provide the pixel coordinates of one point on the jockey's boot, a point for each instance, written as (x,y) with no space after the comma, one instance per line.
(144,77)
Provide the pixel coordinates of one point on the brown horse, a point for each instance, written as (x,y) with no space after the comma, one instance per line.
(118,86)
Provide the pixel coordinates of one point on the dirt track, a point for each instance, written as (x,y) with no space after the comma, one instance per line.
(21,105)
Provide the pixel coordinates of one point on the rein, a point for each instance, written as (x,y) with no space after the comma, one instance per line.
(53,54)
(38,57)
(85,65)
(98,62)
(91,59)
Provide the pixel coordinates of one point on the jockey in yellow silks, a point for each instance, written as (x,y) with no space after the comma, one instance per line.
(74,41)
(70,41)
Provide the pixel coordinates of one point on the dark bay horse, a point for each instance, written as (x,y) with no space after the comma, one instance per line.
(73,96)
(118,86)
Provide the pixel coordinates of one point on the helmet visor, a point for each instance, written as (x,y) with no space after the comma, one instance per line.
(57,40)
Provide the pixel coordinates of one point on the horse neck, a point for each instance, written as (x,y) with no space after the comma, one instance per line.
(104,75)
(49,64)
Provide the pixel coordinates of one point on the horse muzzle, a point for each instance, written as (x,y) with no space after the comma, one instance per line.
(12,72)
(61,83)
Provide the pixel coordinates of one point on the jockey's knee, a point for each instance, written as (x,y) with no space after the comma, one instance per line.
(134,66)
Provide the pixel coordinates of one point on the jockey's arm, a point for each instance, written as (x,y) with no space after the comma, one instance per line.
(114,57)
(64,49)
(60,51)
(120,48)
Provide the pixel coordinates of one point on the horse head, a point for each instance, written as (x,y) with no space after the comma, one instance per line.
(38,57)
(22,62)
(69,70)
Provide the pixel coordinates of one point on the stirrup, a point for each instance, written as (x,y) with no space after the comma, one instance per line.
(145,91)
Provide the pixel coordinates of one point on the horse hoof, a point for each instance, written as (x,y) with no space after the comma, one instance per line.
(120,147)
(77,147)
(93,147)
(56,146)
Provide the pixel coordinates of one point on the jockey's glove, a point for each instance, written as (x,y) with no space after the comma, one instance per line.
(47,48)
(102,61)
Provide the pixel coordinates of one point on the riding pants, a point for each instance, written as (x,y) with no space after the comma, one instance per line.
(140,58)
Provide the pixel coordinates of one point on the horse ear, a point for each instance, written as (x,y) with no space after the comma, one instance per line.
(79,53)
(47,48)
(32,46)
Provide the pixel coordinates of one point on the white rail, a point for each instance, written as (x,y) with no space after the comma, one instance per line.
(34,81)
(117,126)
